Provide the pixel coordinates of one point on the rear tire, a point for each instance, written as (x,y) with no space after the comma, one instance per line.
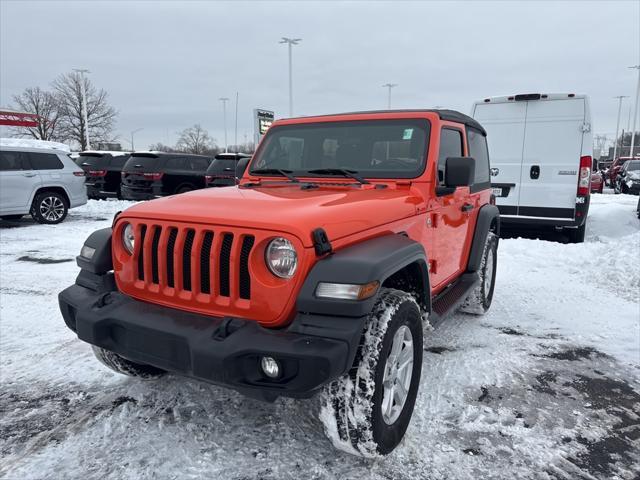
(576,235)
(125,367)
(479,300)
(368,410)
(49,208)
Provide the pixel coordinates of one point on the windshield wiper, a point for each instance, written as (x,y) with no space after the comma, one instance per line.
(279,171)
(339,171)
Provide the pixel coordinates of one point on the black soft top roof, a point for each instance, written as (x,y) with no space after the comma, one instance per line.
(444,114)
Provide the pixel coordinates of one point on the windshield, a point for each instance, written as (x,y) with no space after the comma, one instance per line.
(633,165)
(373,148)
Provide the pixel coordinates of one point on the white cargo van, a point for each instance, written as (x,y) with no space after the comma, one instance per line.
(540,147)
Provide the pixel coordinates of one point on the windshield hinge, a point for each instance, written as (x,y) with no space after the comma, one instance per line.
(321,242)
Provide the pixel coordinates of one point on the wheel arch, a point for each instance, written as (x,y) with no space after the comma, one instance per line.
(488,221)
(51,188)
(390,259)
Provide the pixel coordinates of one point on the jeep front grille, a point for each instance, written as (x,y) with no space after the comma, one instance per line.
(178,261)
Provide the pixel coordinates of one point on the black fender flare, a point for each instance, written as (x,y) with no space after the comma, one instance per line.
(100,262)
(486,216)
(371,260)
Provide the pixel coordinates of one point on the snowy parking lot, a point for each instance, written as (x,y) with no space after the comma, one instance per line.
(546,385)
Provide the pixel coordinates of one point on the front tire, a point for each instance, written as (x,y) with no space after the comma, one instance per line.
(125,367)
(367,412)
(49,208)
(479,300)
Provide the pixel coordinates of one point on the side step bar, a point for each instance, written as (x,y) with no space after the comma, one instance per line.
(448,301)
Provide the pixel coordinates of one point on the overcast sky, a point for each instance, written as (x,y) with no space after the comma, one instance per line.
(165,64)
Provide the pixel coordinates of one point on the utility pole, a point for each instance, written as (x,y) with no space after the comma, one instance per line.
(224,101)
(389,86)
(290,42)
(635,113)
(83,95)
(615,142)
(133,132)
(235,140)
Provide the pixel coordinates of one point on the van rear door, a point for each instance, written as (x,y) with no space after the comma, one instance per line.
(505,124)
(551,157)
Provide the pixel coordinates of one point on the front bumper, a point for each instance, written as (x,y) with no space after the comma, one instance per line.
(312,351)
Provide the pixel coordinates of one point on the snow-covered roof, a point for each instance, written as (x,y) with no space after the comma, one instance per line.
(32,143)
(113,153)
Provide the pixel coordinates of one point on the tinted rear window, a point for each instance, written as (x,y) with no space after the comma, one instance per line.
(218,166)
(142,164)
(45,161)
(197,164)
(92,161)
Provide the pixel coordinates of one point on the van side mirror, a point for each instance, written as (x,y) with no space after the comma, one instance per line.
(458,172)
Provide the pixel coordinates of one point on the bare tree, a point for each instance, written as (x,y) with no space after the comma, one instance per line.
(161,147)
(46,106)
(100,115)
(195,140)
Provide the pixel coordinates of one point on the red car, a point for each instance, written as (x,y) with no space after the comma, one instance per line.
(597,182)
(615,168)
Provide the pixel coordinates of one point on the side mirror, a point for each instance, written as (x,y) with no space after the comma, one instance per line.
(459,171)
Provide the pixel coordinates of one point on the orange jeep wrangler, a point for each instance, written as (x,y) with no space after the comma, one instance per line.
(348,236)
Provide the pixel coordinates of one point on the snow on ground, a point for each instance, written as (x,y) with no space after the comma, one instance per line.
(546,385)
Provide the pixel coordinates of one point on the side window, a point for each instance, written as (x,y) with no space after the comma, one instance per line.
(478,149)
(174,163)
(45,161)
(450,146)
(197,164)
(13,161)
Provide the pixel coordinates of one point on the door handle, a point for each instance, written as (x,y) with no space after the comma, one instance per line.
(467,207)
(29,174)
(534,173)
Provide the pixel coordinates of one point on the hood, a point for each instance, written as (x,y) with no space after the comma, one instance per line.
(341,211)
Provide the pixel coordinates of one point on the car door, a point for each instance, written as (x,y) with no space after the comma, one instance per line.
(451,219)
(18,182)
(551,158)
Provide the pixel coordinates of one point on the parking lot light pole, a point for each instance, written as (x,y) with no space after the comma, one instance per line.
(290,42)
(615,142)
(224,101)
(133,132)
(389,86)
(83,99)
(635,112)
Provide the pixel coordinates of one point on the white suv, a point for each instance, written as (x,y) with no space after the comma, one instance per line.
(42,182)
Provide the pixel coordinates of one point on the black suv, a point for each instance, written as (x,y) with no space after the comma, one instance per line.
(148,175)
(227,169)
(103,173)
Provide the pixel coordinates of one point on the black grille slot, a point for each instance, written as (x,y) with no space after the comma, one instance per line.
(245,280)
(171,245)
(186,260)
(225,259)
(154,254)
(205,263)
(143,231)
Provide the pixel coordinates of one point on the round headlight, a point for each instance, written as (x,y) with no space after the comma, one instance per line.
(281,258)
(128,238)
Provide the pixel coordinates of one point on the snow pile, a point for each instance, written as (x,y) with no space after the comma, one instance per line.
(32,143)
(545,385)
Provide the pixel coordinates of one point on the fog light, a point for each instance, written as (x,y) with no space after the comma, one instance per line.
(270,367)
(87,252)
